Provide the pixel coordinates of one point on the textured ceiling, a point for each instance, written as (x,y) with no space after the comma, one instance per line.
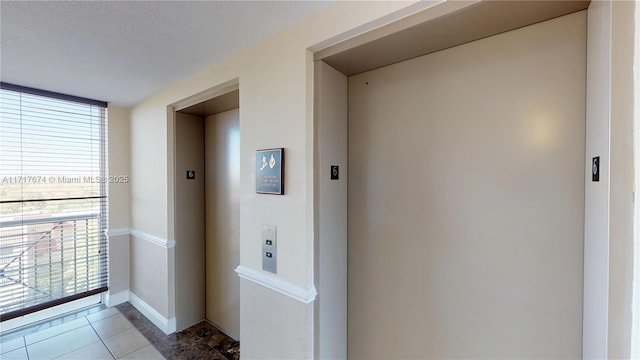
(124,51)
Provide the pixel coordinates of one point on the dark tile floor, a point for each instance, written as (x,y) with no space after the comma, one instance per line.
(201,341)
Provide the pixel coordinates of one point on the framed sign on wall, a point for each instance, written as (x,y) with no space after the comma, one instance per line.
(270,171)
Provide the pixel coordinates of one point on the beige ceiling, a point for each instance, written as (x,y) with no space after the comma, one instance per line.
(124,51)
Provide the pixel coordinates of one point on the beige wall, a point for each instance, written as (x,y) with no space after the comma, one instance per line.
(276,111)
(273,334)
(119,264)
(148,171)
(119,145)
(466,199)
(277,105)
(622,179)
(635,332)
(596,244)
(119,152)
(189,221)
(609,204)
(222,188)
(277,89)
(150,278)
(331,200)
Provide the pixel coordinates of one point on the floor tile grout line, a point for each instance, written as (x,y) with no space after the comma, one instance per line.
(148,337)
(26,351)
(101,340)
(112,335)
(102,319)
(88,322)
(69,352)
(52,336)
(225,349)
(24,345)
(65,317)
(138,331)
(142,328)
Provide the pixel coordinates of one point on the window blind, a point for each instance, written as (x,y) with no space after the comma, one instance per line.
(53,203)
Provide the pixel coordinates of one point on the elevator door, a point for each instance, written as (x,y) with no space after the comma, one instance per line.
(466,199)
(222,217)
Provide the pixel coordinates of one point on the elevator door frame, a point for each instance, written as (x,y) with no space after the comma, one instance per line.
(214,92)
(592,323)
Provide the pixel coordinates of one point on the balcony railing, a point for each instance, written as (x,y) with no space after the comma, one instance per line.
(48,258)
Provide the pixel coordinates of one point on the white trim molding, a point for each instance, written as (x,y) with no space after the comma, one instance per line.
(167,244)
(117,298)
(286,288)
(168,326)
(117,232)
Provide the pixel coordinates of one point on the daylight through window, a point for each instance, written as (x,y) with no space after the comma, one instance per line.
(53,204)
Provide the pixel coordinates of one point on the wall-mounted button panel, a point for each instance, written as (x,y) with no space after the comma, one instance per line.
(269,249)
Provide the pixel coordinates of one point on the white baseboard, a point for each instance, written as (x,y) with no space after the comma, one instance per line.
(117,298)
(168,326)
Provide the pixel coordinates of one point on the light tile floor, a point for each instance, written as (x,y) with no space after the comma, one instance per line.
(106,334)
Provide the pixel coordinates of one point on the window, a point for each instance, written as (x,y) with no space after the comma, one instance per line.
(53,203)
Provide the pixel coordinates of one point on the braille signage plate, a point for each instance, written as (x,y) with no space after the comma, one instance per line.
(270,171)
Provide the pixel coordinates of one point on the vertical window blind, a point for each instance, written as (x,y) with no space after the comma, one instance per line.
(53,203)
